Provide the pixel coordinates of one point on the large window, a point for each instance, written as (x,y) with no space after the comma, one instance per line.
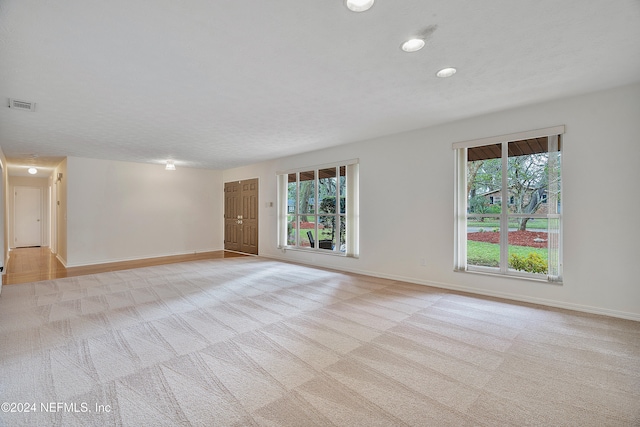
(521,237)
(318,209)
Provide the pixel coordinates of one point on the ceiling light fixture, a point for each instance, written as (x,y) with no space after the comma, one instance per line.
(446,72)
(170,166)
(412,45)
(32,171)
(359,5)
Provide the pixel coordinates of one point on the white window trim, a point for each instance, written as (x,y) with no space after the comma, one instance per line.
(352,214)
(539,133)
(460,206)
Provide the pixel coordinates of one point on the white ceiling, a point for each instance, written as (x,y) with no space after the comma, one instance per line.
(223,83)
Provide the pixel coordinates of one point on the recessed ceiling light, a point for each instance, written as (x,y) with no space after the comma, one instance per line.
(170,166)
(412,45)
(32,171)
(446,72)
(359,5)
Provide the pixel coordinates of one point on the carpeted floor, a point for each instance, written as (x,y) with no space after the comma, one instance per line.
(246,341)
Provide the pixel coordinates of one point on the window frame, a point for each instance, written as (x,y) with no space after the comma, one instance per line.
(461,208)
(350,217)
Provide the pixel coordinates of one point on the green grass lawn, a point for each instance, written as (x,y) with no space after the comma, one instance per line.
(488,254)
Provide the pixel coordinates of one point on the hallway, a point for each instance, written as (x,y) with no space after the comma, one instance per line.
(35,264)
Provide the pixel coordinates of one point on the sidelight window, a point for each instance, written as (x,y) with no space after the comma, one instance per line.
(318,209)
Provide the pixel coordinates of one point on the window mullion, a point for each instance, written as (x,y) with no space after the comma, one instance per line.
(297,209)
(504,219)
(316,207)
(336,242)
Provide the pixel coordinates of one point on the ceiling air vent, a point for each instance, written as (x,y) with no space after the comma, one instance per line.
(22,105)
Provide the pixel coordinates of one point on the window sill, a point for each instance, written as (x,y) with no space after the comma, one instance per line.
(529,278)
(317,251)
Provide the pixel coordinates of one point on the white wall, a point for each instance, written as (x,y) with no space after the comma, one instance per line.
(119,210)
(406,203)
(60,215)
(4,214)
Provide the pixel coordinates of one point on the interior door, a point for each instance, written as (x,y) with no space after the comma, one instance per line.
(232,216)
(249,220)
(241,216)
(27,230)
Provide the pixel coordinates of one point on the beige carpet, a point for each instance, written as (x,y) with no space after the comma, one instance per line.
(245,341)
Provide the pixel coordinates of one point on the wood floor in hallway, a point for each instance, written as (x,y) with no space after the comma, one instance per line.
(35,264)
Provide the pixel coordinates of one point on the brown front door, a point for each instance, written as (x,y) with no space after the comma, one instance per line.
(241,216)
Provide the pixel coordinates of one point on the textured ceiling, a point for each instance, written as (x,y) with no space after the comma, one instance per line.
(219,84)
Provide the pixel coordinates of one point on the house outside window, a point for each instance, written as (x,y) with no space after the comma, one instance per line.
(522,237)
(544,197)
(318,209)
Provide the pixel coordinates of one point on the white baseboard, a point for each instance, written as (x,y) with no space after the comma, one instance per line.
(135,258)
(62,261)
(476,291)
